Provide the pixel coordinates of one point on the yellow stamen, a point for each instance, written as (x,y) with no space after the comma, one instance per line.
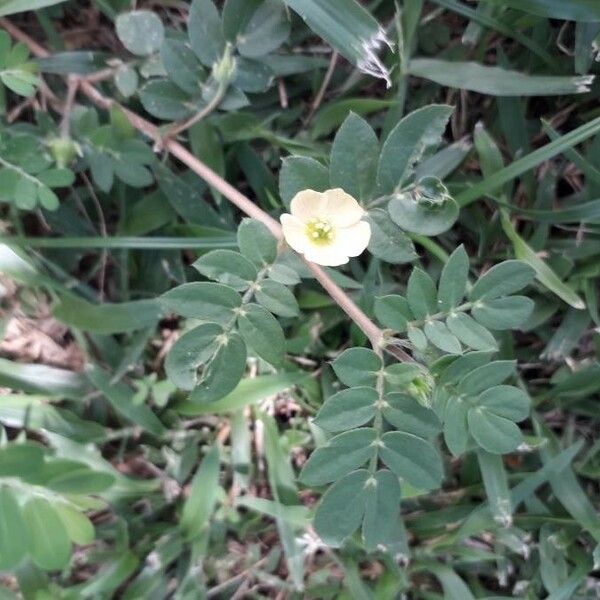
(320,231)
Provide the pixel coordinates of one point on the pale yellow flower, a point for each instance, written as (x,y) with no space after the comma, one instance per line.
(326,227)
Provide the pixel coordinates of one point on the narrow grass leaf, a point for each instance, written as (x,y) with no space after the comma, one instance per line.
(496,81)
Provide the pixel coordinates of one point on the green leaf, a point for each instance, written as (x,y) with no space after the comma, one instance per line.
(348,409)
(544,274)
(425,207)
(223,372)
(453,280)
(182,65)
(200,504)
(192,350)
(393,311)
(565,485)
(348,27)
(416,337)
(10,7)
(207,301)
(519,167)
(505,401)
(454,587)
(265,30)
(388,242)
(282,273)
(248,391)
(462,366)
(80,480)
(108,318)
(342,454)
(115,572)
(353,164)
(236,14)
(401,376)
(35,378)
(493,433)
(19,459)
(382,504)
(164,100)
(412,459)
(101,168)
(421,294)
(49,543)
(276,298)
(301,173)
(332,114)
(186,196)
(471,333)
(503,313)
(13,530)
(19,81)
(502,279)
(357,366)
(25,194)
(136,176)
(495,481)
(262,332)
(252,76)
(121,398)
(205,31)
(574,10)
(407,143)
(341,509)
(256,242)
(486,376)
(496,81)
(126,80)
(456,432)
(407,415)
(227,267)
(79,528)
(140,31)
(47,198)
(439,335)
(582,212)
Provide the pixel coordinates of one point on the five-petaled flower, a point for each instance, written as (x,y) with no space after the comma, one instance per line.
(326,227)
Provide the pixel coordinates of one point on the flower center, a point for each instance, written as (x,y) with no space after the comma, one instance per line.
(320,231)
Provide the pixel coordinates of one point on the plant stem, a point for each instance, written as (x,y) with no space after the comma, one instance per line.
(176,128)
(378,420)
(368,327)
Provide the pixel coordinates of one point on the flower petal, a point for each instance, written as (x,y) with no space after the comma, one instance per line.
(294,232)
(340,208)
(328,256)
(306,205)
(352,240)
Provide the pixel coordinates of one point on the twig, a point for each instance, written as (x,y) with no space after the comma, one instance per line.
(283,96)
(321,93)
(72,85)
(368,327)
(176,128)
(14,114)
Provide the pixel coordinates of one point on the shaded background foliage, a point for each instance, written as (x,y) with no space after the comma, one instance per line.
(113,483)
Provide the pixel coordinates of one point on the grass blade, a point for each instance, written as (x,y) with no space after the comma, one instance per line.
(496,81)
(532,160)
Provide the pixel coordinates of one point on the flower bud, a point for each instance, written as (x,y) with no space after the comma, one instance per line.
(223,70)
(64,150)
(421,388)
